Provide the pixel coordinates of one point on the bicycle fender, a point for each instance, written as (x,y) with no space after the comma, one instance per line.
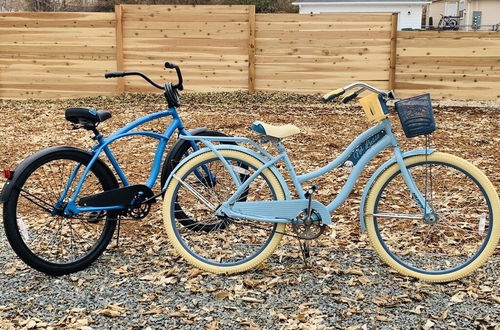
(377,173)
(250,152)
(179,142)
(12,183)
(175,147)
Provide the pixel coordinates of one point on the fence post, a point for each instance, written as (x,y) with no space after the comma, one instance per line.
(393,54)
(120,83)
(251,49)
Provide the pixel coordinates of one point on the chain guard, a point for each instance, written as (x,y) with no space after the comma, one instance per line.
(308,229)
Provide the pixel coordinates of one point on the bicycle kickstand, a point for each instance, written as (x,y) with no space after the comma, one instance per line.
(118,232)
(305,251)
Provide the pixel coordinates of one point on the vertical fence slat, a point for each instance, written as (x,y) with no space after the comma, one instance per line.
(120,83)
(251,49)
(394,45)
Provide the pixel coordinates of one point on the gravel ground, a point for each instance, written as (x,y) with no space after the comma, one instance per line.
(142,282)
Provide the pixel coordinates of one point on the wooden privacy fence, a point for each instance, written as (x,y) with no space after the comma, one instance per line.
(221,48)
(449,64)
(317,53)
(218,48)
(56,54)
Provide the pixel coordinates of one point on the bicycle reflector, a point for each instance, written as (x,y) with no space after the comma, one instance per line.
(8,174)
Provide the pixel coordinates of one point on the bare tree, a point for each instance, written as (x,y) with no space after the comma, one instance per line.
(10,5)
(265,6)
(44,5)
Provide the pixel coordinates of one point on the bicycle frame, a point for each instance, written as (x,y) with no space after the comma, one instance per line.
(360,152)
(103,146)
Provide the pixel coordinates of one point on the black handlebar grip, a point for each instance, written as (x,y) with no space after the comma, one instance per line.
(349,98)
(114,74)
(170,65)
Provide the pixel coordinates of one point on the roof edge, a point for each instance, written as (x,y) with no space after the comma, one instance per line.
(361,2)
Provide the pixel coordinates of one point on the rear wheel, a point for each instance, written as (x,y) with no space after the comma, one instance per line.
(462,238)
(35,226)
(174,157)
(231,245)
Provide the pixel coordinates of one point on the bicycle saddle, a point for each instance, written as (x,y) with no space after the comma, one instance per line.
(279,132)
(86,117)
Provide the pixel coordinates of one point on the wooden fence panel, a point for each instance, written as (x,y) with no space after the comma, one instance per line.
(230,48)
(210,43)
(56,54)
(456,65)
(318,53)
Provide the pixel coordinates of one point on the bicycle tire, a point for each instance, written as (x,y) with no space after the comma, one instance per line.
(28,223)
(454,246)
(211,250)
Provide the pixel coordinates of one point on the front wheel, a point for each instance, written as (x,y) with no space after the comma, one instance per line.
(462,237)
(38,231)
(231,245)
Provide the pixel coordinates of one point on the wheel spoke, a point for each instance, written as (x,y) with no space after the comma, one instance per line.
(195,193)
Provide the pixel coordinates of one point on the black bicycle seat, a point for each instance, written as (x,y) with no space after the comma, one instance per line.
(86,117)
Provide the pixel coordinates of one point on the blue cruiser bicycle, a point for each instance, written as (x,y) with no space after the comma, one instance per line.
(63,204)
(428,214)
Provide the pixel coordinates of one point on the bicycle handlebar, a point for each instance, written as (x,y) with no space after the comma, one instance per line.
(132,73)
(362,87)
(168,65)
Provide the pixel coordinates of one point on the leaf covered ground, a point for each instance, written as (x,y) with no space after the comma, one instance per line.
(143,283)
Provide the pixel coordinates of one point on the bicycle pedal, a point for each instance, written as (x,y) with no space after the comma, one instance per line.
(95,217)
(311,191)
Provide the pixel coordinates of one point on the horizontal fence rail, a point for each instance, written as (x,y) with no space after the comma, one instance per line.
(224,48)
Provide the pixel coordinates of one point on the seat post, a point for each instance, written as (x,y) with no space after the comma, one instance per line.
(97,136)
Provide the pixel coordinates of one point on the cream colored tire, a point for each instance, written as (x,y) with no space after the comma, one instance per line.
(172,229)
(475,261)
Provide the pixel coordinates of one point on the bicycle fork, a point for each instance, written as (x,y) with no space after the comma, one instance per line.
(429,215)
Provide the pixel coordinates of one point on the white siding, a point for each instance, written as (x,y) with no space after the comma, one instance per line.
(410,16)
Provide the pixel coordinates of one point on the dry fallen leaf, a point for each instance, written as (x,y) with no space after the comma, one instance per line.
(222,294)
(109,313)
(428,325)
(458,297)
(252,300)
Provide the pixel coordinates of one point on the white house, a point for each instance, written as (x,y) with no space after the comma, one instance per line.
(410,11)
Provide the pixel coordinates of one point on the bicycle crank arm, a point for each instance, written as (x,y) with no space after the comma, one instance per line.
(284,211)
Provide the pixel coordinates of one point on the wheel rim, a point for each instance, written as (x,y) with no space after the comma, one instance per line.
(458,237)
(230,242)
(54,238)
